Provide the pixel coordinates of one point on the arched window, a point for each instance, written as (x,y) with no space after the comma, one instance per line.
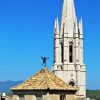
(71,52)
(72,83)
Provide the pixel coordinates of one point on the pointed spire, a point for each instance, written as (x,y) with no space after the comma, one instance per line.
(56,26)
(68,17)
(57,23)
(76,29)
(81,26)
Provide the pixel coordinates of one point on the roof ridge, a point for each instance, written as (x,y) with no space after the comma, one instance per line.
(43,80)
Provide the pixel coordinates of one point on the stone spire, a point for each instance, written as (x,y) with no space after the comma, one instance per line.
(68,18)
(68,49)
(57,23)
(81,28)
(56,41)
(56,26)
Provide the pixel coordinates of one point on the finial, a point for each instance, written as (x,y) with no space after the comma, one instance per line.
(44,60)
(57,21)
(55,24)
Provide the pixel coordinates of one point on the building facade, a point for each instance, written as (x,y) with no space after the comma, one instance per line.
(68,49)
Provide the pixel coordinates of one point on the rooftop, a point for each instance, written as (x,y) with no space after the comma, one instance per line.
(44,80)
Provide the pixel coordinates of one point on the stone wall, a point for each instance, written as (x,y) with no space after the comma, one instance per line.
(8,98)
(70,97)
(51,97)
(45,97)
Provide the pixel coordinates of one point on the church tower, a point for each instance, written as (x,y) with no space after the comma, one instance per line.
(68,49)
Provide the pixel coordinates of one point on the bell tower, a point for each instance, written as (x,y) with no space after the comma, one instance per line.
(68,49)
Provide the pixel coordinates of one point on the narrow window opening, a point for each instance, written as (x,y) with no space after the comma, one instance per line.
(62,53)
(71,52)
(79,32)
(62,97)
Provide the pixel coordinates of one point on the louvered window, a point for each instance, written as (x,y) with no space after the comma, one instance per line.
(70,52)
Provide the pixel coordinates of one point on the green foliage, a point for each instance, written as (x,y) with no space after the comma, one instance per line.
(93,94)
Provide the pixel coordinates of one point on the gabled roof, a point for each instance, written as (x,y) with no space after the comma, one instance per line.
(44,80)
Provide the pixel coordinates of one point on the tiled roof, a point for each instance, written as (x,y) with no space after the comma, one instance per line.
(43,80)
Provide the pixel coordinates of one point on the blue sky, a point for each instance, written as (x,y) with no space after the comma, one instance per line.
(26,34)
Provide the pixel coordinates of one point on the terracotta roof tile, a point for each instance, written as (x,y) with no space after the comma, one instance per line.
(43,80)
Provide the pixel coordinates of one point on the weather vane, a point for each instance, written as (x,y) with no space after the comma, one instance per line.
(44,60)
